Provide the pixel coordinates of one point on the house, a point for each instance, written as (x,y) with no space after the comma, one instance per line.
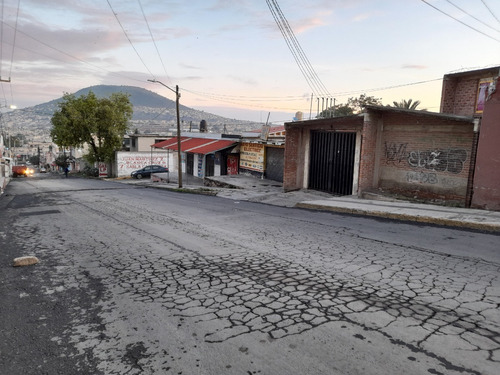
(433,157)
(262,152)
(203,154)
(475,93)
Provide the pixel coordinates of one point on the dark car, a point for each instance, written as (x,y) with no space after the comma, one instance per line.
(146,171)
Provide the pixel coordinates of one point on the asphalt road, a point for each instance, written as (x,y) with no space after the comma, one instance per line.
(144,281)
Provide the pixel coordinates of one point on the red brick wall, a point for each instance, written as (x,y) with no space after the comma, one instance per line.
(486,192)
(426,157)
(293,170)
(459,93)
(367,179)
(297,146)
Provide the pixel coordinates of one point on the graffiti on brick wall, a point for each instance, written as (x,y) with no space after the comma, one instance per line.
(422,177)
(395,153)
(451,160)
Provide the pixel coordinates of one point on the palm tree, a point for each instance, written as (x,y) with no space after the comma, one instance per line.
(407,104)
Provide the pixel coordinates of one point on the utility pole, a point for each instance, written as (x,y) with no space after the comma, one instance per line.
(177,96)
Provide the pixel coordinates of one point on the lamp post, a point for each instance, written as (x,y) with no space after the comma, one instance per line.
(177,96)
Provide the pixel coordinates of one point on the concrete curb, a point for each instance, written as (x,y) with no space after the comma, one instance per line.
(490,227)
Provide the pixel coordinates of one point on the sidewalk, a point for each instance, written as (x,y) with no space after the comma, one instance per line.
(248,188)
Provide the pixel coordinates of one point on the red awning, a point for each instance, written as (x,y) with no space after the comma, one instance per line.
(196,145)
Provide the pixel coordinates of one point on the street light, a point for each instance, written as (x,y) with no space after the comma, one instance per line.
(177,96)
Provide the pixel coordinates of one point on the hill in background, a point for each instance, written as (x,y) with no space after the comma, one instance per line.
(153,114)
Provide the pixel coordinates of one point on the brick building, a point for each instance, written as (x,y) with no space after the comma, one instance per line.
(414,154)
(475,94)
(409,153)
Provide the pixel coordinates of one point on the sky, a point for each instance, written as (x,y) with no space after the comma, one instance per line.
(230,58)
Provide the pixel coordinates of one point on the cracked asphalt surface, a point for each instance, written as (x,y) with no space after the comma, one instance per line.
(144,281)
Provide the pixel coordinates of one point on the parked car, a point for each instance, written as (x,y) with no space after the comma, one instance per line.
(146,171)
(21,170)
(43,170)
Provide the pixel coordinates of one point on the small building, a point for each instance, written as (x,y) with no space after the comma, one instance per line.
(414,154)
(262,153)
(142,142)
(203,154)
(449,157)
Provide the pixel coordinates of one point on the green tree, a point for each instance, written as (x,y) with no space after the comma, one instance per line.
(62,161)
(99,123)
(353,107)
(407,104)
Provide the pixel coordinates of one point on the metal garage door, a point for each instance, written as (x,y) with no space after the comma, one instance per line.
(275,163)
(331,166)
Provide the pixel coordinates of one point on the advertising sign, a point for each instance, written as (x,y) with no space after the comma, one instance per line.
(252,156)
(103,170)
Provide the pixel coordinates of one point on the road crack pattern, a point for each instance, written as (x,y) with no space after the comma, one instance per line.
(281,285)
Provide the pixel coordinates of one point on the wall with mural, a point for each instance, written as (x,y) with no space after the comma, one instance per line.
(428,161)
(127,162)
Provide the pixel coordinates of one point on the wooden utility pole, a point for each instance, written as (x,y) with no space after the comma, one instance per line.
(179,161)
(177,96)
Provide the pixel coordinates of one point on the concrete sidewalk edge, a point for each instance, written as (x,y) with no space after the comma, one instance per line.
(404,217)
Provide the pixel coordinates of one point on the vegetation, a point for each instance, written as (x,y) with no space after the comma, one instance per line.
(62,161)
(88,120)
(353,106)
(407,104)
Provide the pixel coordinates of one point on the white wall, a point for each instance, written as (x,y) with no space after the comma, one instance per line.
(127,162)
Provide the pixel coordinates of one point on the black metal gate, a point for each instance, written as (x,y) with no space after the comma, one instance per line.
(275,163)
(331,166)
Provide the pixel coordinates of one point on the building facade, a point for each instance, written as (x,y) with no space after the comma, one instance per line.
(449,157)
(475,94)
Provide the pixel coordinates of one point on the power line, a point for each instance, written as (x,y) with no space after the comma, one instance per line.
(14,43)
(298,53)
(67,54)
(463,23)
(153,39)
(130,41)
(489,9)
(472,16)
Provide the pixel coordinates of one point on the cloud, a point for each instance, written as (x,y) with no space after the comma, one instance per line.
(188,66)
(414,66)
(246,81)
(305,24)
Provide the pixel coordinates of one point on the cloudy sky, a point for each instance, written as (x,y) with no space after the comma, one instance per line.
(230,58)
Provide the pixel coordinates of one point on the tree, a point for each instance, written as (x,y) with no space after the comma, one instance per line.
(62,161)
(407,104)
(353,106)
(99,123)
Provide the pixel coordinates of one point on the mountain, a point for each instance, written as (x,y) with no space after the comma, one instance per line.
(153,114)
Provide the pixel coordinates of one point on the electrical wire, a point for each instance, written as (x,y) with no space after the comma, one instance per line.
(472,16)
(96,67)
(298,53)
(153,39)
(14,43)
(463,23)
(489,9)
(128,38)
